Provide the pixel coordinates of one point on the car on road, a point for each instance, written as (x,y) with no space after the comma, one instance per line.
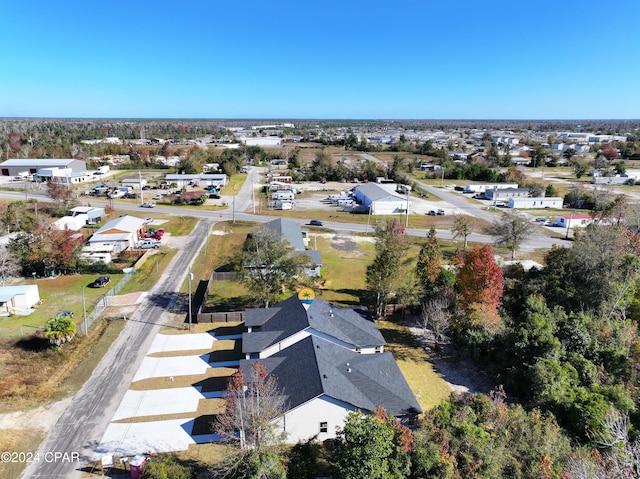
(315,223)
(64,314)
(148,205)
(101,282)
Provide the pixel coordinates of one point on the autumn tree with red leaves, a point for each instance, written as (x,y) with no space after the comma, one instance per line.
(61,194)
(480,285)
(252,405)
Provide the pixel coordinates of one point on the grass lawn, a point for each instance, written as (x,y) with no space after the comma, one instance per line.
(425,381)
(235,184)
(57,294)
(18,440)
(34,374)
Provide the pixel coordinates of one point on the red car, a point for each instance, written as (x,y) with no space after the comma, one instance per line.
(154,234)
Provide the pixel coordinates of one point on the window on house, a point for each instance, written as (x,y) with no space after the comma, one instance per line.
(324,427)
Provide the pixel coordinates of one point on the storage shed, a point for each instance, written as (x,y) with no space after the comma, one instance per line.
(18,299)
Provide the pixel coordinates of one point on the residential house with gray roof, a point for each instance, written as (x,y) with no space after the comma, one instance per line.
(328,361)
(291,232)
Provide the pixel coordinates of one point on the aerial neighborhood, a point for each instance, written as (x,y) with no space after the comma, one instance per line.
(380,299)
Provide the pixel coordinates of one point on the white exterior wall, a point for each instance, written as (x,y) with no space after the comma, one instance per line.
(481,188)
(304,421)
(73,223)
(524,203)
(573,222)
(294,338)
(382,207)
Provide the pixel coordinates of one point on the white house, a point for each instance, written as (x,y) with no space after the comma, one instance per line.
(504,194)
(540,202)
(577,220)
(327,361)
(380,201)
(93,214)
(73,223)
(18,299)
(122,233)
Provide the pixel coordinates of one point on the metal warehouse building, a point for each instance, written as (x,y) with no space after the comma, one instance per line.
(380,201)
(15,166)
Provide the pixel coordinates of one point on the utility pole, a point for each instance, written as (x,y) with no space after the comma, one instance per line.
(84,313)
(190,277)
(406,224)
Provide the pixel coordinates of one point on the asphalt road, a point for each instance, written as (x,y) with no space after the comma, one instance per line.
(81,427)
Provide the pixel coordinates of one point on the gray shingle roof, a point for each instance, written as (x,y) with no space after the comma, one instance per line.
(314,366)
(351,326)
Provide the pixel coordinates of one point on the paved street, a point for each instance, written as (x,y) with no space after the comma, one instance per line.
(82,425)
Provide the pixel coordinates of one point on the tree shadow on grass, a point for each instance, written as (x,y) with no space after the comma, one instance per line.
(217,304)
(357,293)
(402,337)
(34,344)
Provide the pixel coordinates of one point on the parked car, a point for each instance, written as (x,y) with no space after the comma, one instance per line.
(149,243)
(64,314)
(148,205)
(440,212)
(152,233)
(315,223)
(148,220)
(101,282)
(432,212)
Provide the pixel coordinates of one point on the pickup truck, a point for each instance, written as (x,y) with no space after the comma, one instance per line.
(149,243)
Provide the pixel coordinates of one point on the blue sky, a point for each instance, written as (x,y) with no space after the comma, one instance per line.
(427,59)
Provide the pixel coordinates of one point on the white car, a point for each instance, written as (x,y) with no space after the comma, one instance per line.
(148,205)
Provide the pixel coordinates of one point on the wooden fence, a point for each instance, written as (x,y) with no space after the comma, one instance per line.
(225,317)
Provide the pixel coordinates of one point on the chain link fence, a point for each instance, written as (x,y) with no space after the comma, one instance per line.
(103,302)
